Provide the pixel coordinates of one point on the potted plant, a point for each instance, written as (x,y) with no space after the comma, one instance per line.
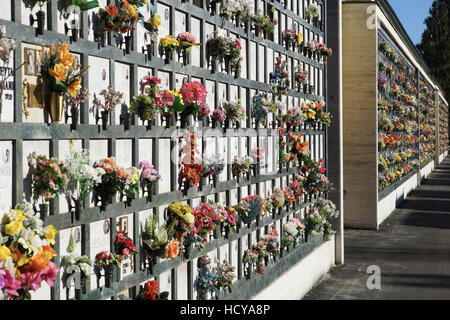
(186,42)
(81,179)
(167,46)
(60,75)
(111,99)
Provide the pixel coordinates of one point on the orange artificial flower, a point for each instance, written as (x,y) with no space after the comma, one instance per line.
(59,72)
(300,146)
(49,252)
(64,56)
(172,249)
(39,262)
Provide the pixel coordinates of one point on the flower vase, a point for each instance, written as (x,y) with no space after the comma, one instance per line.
(126,118)
(109,275)
(187,186)
(149,188)
(150,50)
(325,59)
(82,288)
(40,18)
(43,210)
(305,88)
(103,38)
(202,295)
(56,106)
(185,57)
(149,124)
(237,18)
(214,179)
(227,124)
(315,20)
(310,54)
(74,115)
(105,119)
(257,30)
(214,65)
(205,121)
(74,34)
(288,45)
(217,232)
(78,206)
(128,44)
(227,65)
(105,198)
(1,107)
(311,89)
(237,124)
(168,55)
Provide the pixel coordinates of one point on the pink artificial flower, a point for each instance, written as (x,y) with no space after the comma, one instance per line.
(193,92)
(31,280)
(50,274)
(219,115)
(125,252)
(150,80)
(204,109)
(164,99)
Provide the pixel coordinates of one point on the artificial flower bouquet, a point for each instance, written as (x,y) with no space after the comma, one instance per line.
(277,198)
(111,99)
(240,166)
(26,254)
(112,181)
(182,217)
(124,245)
(316,181)
(279,79)
(74,263)
(249,208)
(219,115)
(261,107)
(290,38)
(108,262)
(225,274)
(313,11)
(235,112)
(82,177)
(318,219)
(129,183)
(257,156)
(150,291)
(151,100)
(168,45)
(212,166)
(206,220)
(186,41)
(262,23)
(49,176)
(158,239)
(148,176)
(118,19)
(194,100)
(60,72)
(301,77)
(206,280)
(293,231)
(191,169)
(153,24)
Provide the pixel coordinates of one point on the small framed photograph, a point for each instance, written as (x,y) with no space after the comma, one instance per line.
(39,56)
(30,62)
(123,224)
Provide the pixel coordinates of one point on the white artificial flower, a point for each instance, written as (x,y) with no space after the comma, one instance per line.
(86,269)
(290,228)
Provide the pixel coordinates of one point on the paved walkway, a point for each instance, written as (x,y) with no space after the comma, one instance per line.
(412,249)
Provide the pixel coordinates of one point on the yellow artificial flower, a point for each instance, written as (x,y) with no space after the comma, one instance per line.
(169,41)
(19,258)
(299,38)
(13,227)
(59,72)
(74,87)
(155,21)
(64,56)
(50,233)
(5,253)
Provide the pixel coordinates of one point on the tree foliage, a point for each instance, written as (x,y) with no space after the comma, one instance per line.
(435,44)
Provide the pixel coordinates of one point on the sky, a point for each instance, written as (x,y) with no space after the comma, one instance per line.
(412,14)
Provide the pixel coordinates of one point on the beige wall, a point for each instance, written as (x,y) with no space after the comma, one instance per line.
(360,117)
